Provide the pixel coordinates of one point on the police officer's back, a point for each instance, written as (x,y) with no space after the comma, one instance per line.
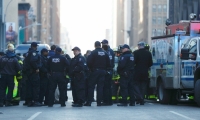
(32,66)
(125,69)
(9,67)
(43,76)
(77,71)
(57,65)
(98,62)
(143,61)
(107,95)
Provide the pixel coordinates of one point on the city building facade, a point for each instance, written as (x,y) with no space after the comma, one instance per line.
(158,14)
(34,20)
(181,9)
(138,20)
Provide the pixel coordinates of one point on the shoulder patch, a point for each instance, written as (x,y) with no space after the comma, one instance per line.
(34,54)
(122,58)
(131,58)
(110,56)
(79,59)
(101,53)
(55,60)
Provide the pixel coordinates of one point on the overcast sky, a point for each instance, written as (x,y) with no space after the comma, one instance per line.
(86,21)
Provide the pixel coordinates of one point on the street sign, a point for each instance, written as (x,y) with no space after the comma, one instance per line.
(180,32)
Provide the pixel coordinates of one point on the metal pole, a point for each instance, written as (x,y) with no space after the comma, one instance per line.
(18,36)
(179,60)
(25,28)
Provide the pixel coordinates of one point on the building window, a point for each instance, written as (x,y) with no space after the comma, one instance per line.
(154,8)
(159,20)
(159,8)
(164,19)
(153,21)
(159,32)
(153,32)
(164,8)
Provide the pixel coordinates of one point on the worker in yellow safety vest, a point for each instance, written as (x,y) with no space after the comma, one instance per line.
(116,97)
(17,81)
(10,68)
(149,91)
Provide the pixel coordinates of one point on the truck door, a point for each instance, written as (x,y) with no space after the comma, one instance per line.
(188,66)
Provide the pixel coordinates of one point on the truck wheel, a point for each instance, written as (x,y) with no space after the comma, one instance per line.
(197,92)
(163,94)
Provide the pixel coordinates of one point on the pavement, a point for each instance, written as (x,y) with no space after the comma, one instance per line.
(152,110)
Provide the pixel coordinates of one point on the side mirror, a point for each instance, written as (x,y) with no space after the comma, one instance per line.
(185,55)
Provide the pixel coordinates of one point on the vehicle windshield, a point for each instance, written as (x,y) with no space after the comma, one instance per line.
(24,48)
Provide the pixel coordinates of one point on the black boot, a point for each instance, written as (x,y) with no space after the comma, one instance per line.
(77,105)
(87,104)
(30,104)
(36,104)
(132,104)
(106,104)
(122,104)
(63,105)
(8,104)
(1,105)
(25,103)
(99,104)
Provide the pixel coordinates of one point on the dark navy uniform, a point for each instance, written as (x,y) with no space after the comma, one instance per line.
(107,93)
(143,61)
(57,66)
(125,69)
(77,68)
(9,67)
(43,79)
(33,63)
(98,62)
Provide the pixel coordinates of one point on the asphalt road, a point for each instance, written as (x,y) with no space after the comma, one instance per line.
(150,111)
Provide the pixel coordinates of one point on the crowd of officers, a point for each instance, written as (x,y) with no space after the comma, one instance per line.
(93,70)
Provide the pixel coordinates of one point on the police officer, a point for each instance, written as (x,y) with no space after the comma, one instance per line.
(125,69)
(32,66)
(98,62)
(17,91)
(77,68)
(107,99)
(9,67)
(57,65)
(87,72)
(43,76)
(25,83)
(67,75)
(52,51)
(143,61)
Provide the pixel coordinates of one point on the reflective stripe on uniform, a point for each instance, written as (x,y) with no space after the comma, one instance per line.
(20,62)
(15,90)
(113,98)
(19,77)
(191,97)
(67,76)
(152,97)
(119,97)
